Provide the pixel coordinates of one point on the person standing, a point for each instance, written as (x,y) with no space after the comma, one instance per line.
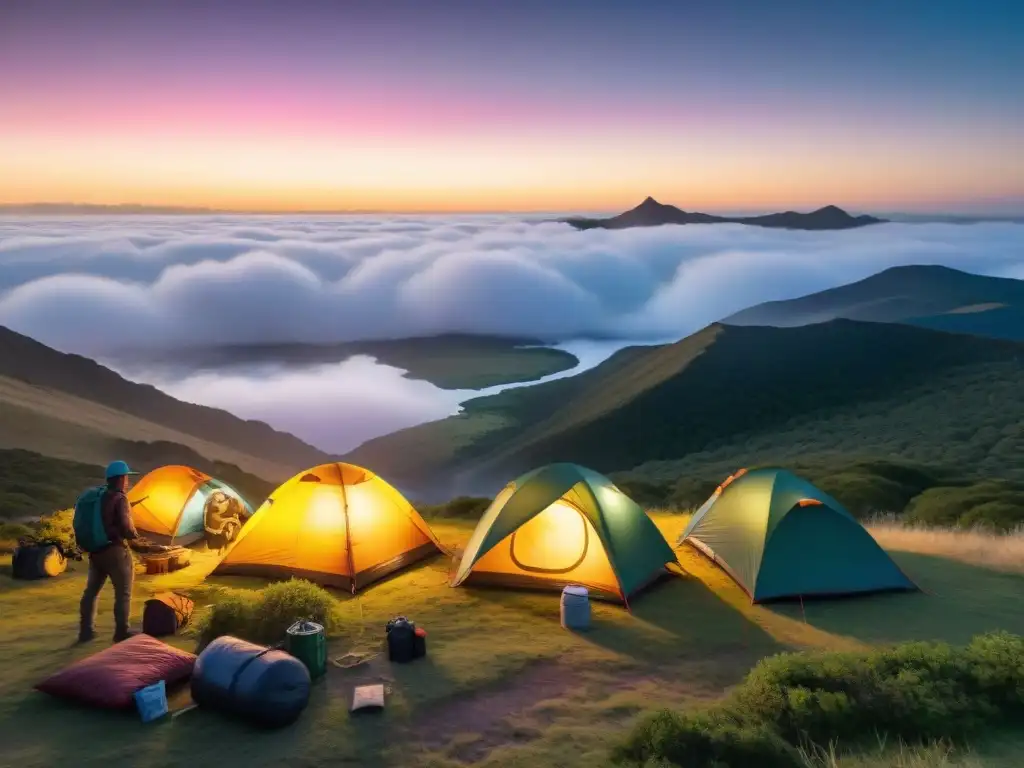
(103,527)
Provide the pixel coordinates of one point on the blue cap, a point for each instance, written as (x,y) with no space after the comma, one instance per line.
(118,469)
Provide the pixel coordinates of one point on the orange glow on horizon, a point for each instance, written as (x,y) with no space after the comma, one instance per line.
(488,173)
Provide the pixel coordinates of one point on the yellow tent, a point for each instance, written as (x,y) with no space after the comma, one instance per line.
(169,503)
(336,524)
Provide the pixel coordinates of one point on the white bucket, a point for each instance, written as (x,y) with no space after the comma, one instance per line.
(575,608)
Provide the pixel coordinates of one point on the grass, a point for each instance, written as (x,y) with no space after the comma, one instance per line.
(502,685)
(997,551)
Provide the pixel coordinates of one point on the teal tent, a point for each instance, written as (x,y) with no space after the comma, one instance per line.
(565,524)
(779,537)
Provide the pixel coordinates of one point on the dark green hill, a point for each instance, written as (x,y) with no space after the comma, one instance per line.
(995,321)
(931,296)
(713,394)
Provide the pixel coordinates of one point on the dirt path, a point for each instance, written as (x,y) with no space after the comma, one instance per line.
(490,712)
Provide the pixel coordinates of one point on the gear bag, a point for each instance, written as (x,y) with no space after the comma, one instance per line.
(90,533)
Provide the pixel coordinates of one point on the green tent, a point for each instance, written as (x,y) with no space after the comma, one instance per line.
(565,524)
(778,536)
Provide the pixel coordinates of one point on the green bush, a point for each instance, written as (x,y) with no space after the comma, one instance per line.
(57,529)
(709,738)
(993,504)
(264,616)
(644,493)
(10,533)
(916,692)
(459,508)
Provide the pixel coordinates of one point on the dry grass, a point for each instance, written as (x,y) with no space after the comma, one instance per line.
(996,551)
(1003,552)
(901,756)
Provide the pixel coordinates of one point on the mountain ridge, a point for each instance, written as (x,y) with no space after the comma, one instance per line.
(651,213)
(648,404)
(25,360)
(912,294)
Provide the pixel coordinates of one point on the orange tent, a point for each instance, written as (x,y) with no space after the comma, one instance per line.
(335,524)
(168,504)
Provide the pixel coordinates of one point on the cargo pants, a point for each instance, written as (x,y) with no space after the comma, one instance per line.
(116,563)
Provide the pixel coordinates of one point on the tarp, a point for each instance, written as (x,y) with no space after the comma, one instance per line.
(779,536)
(335,524)
(168,502)
(565,524)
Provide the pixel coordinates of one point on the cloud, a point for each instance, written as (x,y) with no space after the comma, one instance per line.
(315,403)
(97,285)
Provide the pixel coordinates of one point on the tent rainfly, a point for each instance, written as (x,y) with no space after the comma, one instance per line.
(779,537)
(565,524)
(336,524)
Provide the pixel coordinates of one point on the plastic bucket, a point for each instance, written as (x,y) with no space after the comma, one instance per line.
(307,642)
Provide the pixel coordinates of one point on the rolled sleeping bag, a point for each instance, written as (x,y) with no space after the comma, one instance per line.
(267,687)
(37,561)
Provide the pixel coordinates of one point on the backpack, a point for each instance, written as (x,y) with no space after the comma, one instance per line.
(88,521)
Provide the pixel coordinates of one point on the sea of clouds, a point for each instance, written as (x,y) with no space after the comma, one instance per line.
(99,286)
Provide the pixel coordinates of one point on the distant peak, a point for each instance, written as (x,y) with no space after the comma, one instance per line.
(649,202)
(832,209)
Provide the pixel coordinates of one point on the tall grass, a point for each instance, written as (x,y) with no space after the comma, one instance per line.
(263,616)
(940,754)
(1000,551)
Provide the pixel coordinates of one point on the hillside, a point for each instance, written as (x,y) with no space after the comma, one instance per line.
(56,387)
(719,393)
(651,213)
(929,296)
(32,485)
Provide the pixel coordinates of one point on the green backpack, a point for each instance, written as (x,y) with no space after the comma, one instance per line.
(88,522)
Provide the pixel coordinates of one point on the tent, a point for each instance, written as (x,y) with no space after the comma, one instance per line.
(779,537)
(336,524)
(168,504)
(565,524)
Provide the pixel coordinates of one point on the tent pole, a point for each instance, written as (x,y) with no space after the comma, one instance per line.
(802,611)
(348,529)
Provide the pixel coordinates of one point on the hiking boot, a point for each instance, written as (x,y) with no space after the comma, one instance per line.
(85,637)
(124,635)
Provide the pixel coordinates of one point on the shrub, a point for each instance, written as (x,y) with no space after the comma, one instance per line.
(57,529)
(264,616)
(459,508)
(915,691)
(709,738)
(10,533)
(645,493)
(995,505)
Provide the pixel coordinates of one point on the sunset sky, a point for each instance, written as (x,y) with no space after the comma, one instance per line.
(524,105)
